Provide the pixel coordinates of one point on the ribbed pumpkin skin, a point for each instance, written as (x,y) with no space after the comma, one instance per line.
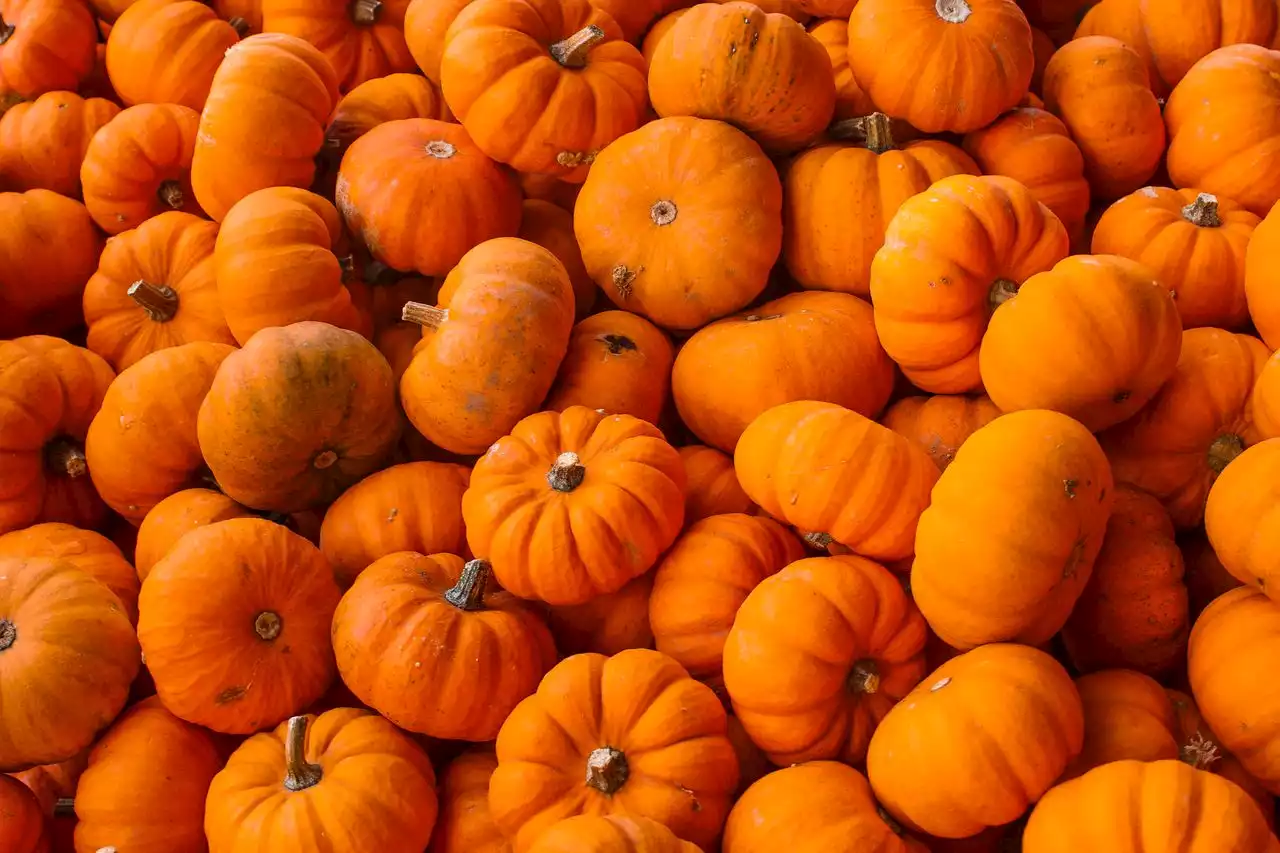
(464,824)
(425,24)
(549,223)
(940,424)
(52,47)
(1241,513)
(833,34)
(91,553)
(610,834)
(176,516)
(381,100)
(618,362)
(1127,717)
(1261,287)
(607,624)
(711,486)
(358,51)
(43,142)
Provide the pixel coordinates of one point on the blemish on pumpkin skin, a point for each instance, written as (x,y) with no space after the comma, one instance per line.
(231,694)
(1070,487)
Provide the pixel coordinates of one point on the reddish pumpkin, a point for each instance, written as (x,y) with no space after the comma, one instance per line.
(362,39)
(1127,717)
(711,486)
(22,825)
(91,553)
(607,624)
(940,424)
(49,46)
(43,143)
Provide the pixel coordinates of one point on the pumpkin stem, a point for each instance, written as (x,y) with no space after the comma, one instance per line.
(607,770)
(6,30)
(440,149)
(864,677)
(572,52)
(567,472)
(66,457)
(1224,449)
(347,263)
(365,12)
(1002,290)
(953,11)
(818,541)
(875,132)
(663,212)
(171,194)
(268,625)
(424,314)
(8,634)
(298,774)
(468,592)
(66,807)
(619,343)
(1199,752)
(160,301)
(240,25)
(1203,211)
(324,459)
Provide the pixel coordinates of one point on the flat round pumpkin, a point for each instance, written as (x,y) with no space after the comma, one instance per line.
(43,142)
(618,362)
(465,824)
(940,424)
(91,553)
(613,833)
(362,39)
(175,517)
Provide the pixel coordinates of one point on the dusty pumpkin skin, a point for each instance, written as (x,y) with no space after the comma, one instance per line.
(940,424)
(618,362)
(297,416)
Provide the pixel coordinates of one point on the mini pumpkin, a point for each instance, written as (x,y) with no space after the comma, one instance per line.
(43,142)
(53,782)
(1206,579)
(635,17)
(1261,287)
(22,825)
(545,222)
(833,35)
(574,504)
(614,833)
(425,24)
(378,101)
(49,46)
(175,517)
(607,624)
(1010,236)
(1239,515)
(711,486)
(1266,399)
(666,206)
(362,39)
(649,740)
(465,824)
(618,362)
(1127,717)
(92,553)
(940,424)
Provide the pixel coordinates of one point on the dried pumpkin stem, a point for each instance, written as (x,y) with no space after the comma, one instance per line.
(1002,290)
(160,301)
(1199,752)
(366,12)
(440,149)
(607,770)
(1223,450)
(8,634)
(171,194)
(875,132)
(268,625)
(567,472)
(864,677)
(66,807)
(298,774)
(240,25)
(6,30)
(953,11)
(100,849)
(67,458)
(424,314)
(1203,211)
(347,263)
(572,52)
(468,592)
(817,540)
(324,459)
(619,344)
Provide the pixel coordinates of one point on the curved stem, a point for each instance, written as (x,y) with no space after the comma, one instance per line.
(299,775)
(572,52)
(160,301)
(607,770)
(66,457)
(424,314)
(1203,211)
(366,12)
(171,194)
(875,132)
(468,592)
(567,472)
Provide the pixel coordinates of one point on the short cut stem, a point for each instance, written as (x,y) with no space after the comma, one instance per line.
(468,592)
(160,301)
(953,11)
(567,472)
(572,52)
(299,775)
(366,12)
(607,770)
(424,314)
(1203,211)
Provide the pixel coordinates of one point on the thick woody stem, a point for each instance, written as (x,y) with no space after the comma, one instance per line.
(160,301)
(299,775)
(1223,450)
(1203,211)
(566,473)
(572,52)
(424,314)
(365,12)
(607,770)
(468,592)
(953,11)
(875,132)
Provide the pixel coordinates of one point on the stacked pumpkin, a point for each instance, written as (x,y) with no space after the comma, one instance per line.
(911,487)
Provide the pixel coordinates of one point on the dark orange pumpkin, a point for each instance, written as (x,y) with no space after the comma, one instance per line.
(362,39)
(43,143)
(940,424)
(607,624)
(49,45)
(465,825)
(425,24)
(91,553)
(851,101)
(549,225)
(1127,717)
(617,362)
(378,101)
(175,517)
(22,825)
(711,487)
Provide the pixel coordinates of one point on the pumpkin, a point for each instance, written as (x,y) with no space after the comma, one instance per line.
(649,740)
(1012,721)
(1122,20)
(91,553)
(362,39)
(662,26)
(1133,611)
(48,250)
(420,194)
(175,517)
(145,786)
(388,291)
(1034,147)
(48,45)
(940,424)
(1127,717)
(1199,421)
(818,654)
(1206,578)
(51,390)
(705,577)
(781,91)
(838,199)
(1195,244)
(1262,290)
(252,424)
(425,24)
(378,101)
(551,227)
(613,477)
(833,35)
(987,66)
(1054,472)
(43,143)
(549,188)
(1242,165)
(155,288)
(464,824)
(1084,814)
(275,263)
(816,807)
(636,17)
(138,165)
(465,388)
(254,136)
(416,506)
(731,371)
(53,782)
(235,625)
(167,52)
(711,486)
(670,203)
(794,461)
(561,56)
(1266,399)
(22,824)
(67,657)
(1099,87)
(935,333)
(614,833)
(617,362)
(413,630)
(347,780)
(607,624)
(1240,512)
(1119,324)
(141,446)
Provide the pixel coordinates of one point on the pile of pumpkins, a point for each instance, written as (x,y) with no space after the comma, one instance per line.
(639,426)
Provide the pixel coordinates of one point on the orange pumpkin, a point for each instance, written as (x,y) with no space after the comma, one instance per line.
(662,26)
(420,195)
(254,136)
(940,424)
(378,101)
(43,143)
(1012,721)
(1200,420)
(362,39)
(175,517)
(1122,20)
(1195,244)
(249,11)
(1133,611)
(49,46)
(703,579)
(1180,34)
(167,52)
(53,782)
(1266,399)
(1034,147)
(833,35)
(235,625)
(1009,236)
(1127,717)
(711,486)
(145,786)
(614,833)
(617,362)
(987,66)
(138,165)
(1053,470)
(1240,513)
(91,553)
(561,57)
(1099,87)
(607,624)
(613,476)
(1206,578)
(731,371)
(549,225)
(793,460)
(465,824)
(141,447)
(781,91)
(465,388)
(252,423)
(22,825)
(649,740)
(67,657)
(347,781)
(1261,287)
(668,203)
(838,199)
(425,24)
(636,16)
